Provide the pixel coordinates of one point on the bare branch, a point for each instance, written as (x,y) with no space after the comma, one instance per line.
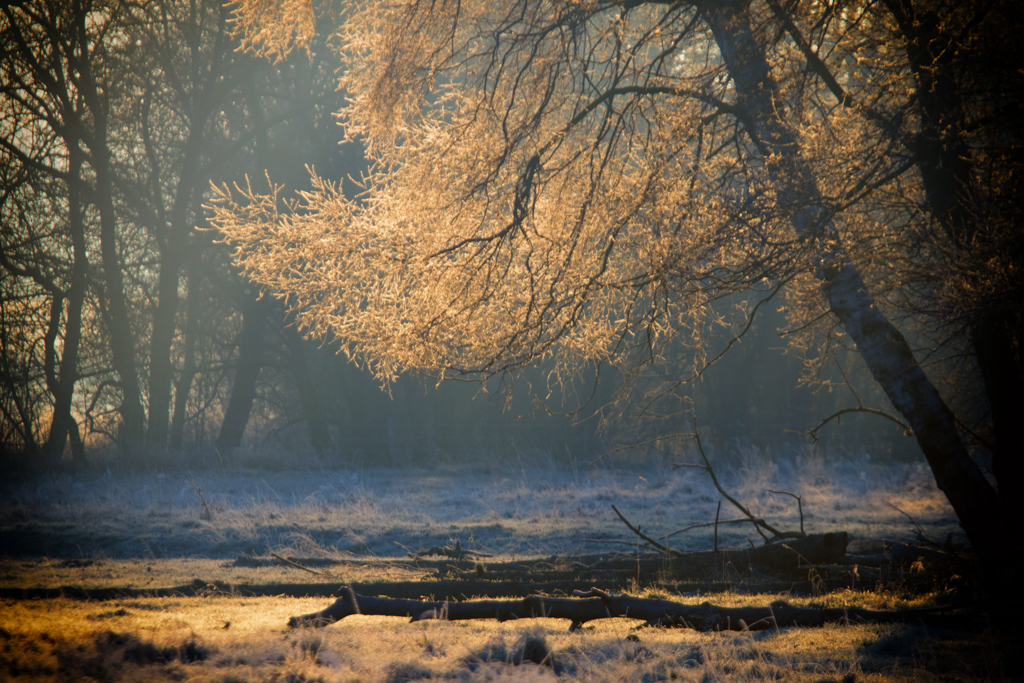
(758,523)
(636,530)
(813,433)
(799,505)
(683,435)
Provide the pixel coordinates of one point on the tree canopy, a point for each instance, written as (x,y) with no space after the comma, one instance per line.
(580,181)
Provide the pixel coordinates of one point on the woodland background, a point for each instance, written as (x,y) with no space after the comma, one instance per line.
(127,338)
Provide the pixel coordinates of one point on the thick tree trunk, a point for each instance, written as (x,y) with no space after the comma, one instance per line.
(999,362)
(884,349)
(947,169)
(250,360)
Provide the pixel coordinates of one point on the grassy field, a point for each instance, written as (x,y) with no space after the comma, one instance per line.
(167,529)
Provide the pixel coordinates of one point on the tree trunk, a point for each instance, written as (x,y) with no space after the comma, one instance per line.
(188,371)
(161,370)
(250,360)
(884,349)
(63,382)
(122,339)
(999,362)
(173,237)
(319,436)
(947,169)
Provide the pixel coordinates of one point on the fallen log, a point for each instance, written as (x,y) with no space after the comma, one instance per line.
(439,591)
(598,604)
(610,568)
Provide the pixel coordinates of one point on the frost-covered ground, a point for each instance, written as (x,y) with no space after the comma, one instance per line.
(511,512)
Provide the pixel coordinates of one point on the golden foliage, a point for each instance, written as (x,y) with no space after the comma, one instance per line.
(579,176)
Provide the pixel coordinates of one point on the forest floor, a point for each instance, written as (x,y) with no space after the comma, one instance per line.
(139,532)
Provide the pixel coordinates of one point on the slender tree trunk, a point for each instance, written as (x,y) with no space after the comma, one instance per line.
(175,236)
(250,360)
(122,339)
(188,371)
(62,383)
(319,435)
(885,351)
(161,369)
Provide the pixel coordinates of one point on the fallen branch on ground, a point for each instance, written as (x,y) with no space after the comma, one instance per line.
(801,551)
(295,564)
(760,525)
(455,553)
(598,604)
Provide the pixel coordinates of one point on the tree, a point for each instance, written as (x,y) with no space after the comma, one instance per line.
(579,181)
(969,83)
(114,118)
(59,82)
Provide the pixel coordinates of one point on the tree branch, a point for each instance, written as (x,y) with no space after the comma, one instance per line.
(636,530)
(813,433)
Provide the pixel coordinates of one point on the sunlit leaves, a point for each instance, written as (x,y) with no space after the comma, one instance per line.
(570,177)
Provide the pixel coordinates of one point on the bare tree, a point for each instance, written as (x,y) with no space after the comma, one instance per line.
(59,85)
(115,116)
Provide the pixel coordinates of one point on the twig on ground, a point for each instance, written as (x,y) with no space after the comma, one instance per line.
(758,523)
(296,564)
(207,513)
(609,541)
(455,553)
(743,520)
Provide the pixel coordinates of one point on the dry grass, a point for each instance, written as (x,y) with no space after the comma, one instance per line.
(229,639)
(157,530)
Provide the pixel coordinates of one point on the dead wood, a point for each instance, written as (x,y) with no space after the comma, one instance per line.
(615,569)
(454,552)
(413,590)
(760,525)
(291,563)
(596,604)
(779,555)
